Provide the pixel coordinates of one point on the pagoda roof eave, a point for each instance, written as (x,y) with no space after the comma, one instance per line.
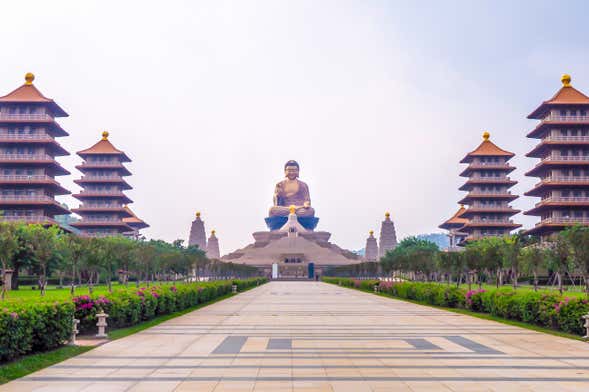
(28,93)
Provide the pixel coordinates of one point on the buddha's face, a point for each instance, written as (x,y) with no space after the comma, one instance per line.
(291,172)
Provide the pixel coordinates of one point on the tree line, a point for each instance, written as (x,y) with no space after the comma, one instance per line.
(492,260)
(88,261)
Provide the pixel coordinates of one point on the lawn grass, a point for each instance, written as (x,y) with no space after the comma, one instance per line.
(34,362)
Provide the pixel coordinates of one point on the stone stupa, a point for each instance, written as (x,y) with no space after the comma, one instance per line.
(198,235)
(388,236)
(371,250)
(213,247)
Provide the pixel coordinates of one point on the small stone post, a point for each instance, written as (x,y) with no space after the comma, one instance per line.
(376,288)
(101,324)
(586,318)
(234,288)
(75,331)
(8,279)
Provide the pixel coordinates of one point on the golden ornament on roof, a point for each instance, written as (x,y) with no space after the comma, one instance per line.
(213,232)
(486,135)
(198,214)
(292,209)
(29,77)
(105,135)
(566,80)
(387,214)
(371,232)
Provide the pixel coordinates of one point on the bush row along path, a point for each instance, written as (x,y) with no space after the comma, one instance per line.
(313,336)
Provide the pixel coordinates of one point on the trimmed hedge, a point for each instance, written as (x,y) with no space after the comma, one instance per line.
(34,327)
(544,309)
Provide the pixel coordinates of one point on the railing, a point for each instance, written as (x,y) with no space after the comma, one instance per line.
(102,193)
(488,207)
(36,177)
(27,219)
(26,198)
(93,207)
(100,220)
(27,116)
(26,157)
(100,178)
(561,158)
(489,193)
(559,138)
(562,219)
(491,221)
(498,165)
(114,163)
(558,117)
(489,179)
(12,136)
(569,179)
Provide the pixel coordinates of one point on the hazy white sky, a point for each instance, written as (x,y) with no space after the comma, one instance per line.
(377,100)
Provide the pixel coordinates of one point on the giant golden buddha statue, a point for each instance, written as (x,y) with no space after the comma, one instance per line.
(292,192)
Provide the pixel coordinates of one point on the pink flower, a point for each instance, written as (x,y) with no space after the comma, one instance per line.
(14,315)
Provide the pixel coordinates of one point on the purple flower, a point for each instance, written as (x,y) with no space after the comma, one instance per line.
(14,315)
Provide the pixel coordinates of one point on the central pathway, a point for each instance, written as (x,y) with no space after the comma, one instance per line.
(308,336)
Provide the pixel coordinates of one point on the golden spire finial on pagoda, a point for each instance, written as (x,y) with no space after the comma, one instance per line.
(198,214)
(213,232)
(387,214)
(371,232)
(105,135)
(29,77)
(486,135)
(566,80)
(292,209)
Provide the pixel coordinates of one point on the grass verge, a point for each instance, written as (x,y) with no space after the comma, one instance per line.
(31,363)
(484,316)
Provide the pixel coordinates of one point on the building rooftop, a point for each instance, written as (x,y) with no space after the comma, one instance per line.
(567,95)
(28,93)
(486,149)
(455,221)
(104,146)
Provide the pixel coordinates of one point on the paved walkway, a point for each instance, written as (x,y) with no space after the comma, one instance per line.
(311,336)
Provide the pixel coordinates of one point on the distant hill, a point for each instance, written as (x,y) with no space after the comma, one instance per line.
(437,238)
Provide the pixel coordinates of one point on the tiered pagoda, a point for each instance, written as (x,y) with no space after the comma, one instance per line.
(27,156)
(103,201)
(563,169)
(488,197)
(135,223)
(453,225)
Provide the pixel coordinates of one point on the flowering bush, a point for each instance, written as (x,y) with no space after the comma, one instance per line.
(35,327)
(545,309)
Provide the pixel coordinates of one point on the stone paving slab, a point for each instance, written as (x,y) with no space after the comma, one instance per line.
(311,336)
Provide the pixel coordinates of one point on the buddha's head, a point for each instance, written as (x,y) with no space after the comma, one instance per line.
(291,170)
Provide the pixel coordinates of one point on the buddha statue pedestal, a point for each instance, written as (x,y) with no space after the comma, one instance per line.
(276,222)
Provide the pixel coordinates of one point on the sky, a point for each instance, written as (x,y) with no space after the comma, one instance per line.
(377,100)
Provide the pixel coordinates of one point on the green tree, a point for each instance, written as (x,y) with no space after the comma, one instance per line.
(43,243)
(8,247)
(577,238)
(533,258)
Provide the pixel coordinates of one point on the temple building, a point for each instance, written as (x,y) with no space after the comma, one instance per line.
(103,201)
(563,169)
(27,156)
(388,236)
(198,235)
(371,249)
(488,197)
(292,248)
(213,247)
(135,223)
(454,226)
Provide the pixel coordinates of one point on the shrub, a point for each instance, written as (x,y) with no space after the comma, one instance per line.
(27,328)
(547,310)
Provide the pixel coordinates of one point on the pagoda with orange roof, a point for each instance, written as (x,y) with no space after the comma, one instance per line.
(27,156)
(563,169)
(103,201)
(136,223)
(488,197)
(453,225)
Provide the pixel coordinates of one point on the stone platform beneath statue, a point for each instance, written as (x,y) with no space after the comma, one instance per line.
(276,222)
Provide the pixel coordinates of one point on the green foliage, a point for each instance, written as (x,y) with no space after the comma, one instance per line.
(41,326)
(542,309)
